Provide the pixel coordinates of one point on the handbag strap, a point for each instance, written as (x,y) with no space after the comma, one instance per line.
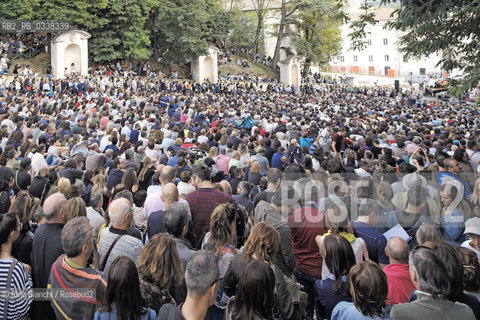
(105,259)
(7,287)
(16,180)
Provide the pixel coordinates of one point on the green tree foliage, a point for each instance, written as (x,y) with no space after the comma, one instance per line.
(83,13)
(359,34)
(18,9)
(121,31)
(319,38)
(186,28)
(289,15)
(242,28)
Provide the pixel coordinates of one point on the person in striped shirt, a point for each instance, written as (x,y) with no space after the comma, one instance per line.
(14,275)
(77,290)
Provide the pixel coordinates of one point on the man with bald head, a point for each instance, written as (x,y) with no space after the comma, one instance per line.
(154,201)
(398,275)
(115,240)
(46,248)
(155,222)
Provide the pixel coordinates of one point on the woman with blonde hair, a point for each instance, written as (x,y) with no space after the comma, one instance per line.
(262,244)
(75,208)
(63,184)
(221,239)
(213,153)
(160,270)
(100,186)
(222,144)
(254,174)
(474,199)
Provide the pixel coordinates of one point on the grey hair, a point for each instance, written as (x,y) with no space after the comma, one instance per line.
(244,186)
(117,211)
(432,274)
(80,186)
(175,219)
(202,271)
(129,154)
(95,199)
(75,234)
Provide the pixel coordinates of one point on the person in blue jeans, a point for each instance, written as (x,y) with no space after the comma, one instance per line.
(124,290)
(51,160)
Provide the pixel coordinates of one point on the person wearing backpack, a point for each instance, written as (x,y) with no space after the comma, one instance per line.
(295,154)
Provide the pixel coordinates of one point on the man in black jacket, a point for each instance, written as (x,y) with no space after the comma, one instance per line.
(47,247)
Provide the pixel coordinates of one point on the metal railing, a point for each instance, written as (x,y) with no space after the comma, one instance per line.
(28,53)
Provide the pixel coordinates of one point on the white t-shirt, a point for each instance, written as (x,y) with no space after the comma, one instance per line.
(38,162)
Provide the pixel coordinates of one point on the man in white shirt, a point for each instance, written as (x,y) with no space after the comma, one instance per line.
(473,154)
(38,160)
(154,202)
(3,64)
(126,130)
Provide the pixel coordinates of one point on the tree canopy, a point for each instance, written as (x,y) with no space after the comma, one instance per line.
(319,38)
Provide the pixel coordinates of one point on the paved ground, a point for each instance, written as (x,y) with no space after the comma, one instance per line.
(370,81)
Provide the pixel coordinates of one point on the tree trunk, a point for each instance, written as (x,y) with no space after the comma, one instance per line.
(257,35)
(49,44)
(281,27)
(155,49)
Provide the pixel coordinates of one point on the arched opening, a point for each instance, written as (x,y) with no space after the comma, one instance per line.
(208,69)
(72,56)
(294,72)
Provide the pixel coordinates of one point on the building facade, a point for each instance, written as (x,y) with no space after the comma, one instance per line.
(382,55)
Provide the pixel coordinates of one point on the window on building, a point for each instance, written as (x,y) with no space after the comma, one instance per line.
(369,42)
(342,59)
(387,58)
(370,58)
(385,41)
(275,28)
(405,59)
(355,59)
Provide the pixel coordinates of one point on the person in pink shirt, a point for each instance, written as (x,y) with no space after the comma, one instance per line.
(104,121)
(398,275)
(223,160)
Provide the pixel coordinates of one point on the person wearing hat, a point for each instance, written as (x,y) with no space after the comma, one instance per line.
(472,230)
(400,200)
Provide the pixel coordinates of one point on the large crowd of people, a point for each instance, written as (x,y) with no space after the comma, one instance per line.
(126,197)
